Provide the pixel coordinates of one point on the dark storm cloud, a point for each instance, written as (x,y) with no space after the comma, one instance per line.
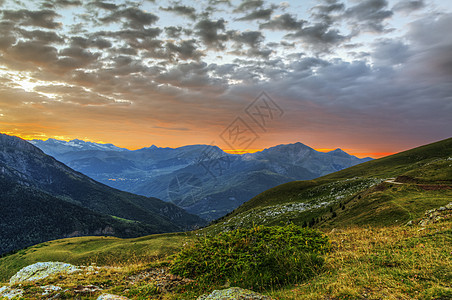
(319,37)
(390,52)
(283,22)
(61,3)
(182,10)
(432,46)
(136,18)
(185,50)
(41,18)
(139,39)
(42,36)
(408,6)
(328,12)
(261,14)
(104,5)
(208,31)
(191,75)
(7,37)
(173,31)
(82,42)
(251,38)
(369,15)
(249,5)
(216,2)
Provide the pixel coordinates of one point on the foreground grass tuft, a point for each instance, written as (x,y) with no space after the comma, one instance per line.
(258,258)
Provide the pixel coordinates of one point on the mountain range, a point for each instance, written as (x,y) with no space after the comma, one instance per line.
(392,190)
(202,179)
(43,199)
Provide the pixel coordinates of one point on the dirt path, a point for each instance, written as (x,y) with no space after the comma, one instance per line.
(392,180)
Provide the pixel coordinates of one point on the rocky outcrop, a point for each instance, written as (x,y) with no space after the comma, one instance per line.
(234,293)
(10,293)
(42,270)
(436,215)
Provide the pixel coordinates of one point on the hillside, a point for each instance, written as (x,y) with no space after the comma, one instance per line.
(396,262)
(375,252)
(202,179)
(35,182)
(386,191)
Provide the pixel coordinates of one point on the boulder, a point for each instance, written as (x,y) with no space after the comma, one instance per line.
(234,293)
(9,293)
(42,270)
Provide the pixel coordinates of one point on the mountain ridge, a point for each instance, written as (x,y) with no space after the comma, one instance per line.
(27,173)
(396,188)
(154,172)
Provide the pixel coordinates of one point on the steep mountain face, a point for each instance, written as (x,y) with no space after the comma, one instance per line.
(388,191)
(202,179)
(29,178)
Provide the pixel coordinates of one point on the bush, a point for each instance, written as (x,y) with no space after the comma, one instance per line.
(256,258)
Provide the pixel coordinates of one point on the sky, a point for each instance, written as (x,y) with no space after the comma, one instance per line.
(372,77)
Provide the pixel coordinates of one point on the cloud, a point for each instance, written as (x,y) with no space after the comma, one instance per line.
(7,37)
(46,37)
(432,48)
(104,5)
(42,18)
(174,31)
(283,22)
(249,5)
(390,52)
(261,14)
(182,10)
(137,18)
(408,6)
(369,15)
(319,37)
(34,52)
(326,13)
(99,43)
(251,38)
(185,50)
(208,30)
(61,3)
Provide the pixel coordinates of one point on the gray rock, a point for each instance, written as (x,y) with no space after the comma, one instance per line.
(42,270)
(111,297)
(234,293)
(47,289)
(9,293)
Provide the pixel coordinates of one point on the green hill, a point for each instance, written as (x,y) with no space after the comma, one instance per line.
(390,190)
(364,262)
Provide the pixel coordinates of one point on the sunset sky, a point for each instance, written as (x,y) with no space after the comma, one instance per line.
(372,77)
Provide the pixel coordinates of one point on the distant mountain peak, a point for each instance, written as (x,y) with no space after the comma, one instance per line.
(337,150)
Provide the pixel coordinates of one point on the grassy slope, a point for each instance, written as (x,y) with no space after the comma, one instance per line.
(395,262)
(357,195)
(94,250)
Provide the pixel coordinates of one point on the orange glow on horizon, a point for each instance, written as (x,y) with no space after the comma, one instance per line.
(241,151)
(230,151)
(359,154)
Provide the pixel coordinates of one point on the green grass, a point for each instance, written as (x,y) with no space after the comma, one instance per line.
(95,250)
(393,262)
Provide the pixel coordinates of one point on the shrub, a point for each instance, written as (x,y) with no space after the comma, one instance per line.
(257,258)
